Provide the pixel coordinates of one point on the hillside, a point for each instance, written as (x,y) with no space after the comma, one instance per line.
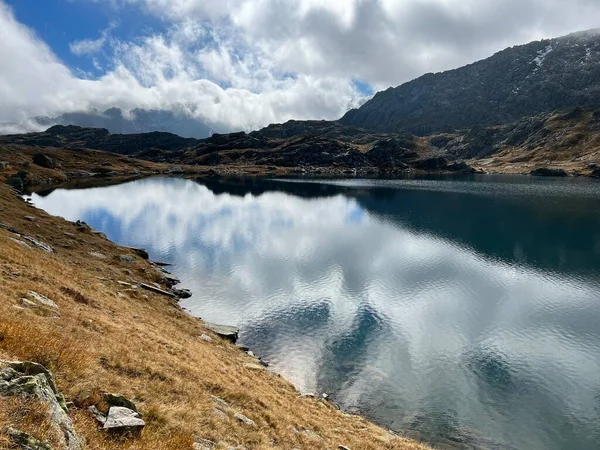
(521,81)
(564,140)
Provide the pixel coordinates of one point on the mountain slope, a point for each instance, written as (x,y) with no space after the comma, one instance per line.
(517,82)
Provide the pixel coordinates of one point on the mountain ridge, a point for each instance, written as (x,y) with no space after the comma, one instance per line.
(516,82)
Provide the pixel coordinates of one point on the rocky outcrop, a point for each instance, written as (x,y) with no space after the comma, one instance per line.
(518,82)
(225,331)
(31,380)
(24,441)
(43,161)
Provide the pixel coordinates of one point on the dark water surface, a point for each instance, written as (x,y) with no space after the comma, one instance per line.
(462,311)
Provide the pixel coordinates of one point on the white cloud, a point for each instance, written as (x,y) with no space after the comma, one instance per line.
(92,46)
(242,64)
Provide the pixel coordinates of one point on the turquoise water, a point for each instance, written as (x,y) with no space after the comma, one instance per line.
(464,311)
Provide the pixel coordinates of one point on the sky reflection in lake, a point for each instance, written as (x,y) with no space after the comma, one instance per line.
(460,312)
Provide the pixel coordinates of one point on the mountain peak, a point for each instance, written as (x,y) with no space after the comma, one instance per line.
(514,83)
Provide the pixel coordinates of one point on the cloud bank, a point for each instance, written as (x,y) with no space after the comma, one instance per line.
(242,64)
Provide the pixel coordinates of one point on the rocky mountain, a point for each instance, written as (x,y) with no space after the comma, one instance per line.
(548,143)
(137,121)
(518,82)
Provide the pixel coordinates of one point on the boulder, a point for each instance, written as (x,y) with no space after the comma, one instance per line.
(127,259)
(24,441)
(182,293)
(225,331)
(16,183)
(42,300)
(43,161)
(142,253)
(29,379)
(3,165)
(596,173)
(548,172)
(123,420)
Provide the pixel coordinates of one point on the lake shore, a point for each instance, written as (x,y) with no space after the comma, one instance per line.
(109,335)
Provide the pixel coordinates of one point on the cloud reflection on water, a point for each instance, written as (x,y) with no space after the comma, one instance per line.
(416,330)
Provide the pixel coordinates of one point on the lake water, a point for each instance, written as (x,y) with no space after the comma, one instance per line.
(463,311)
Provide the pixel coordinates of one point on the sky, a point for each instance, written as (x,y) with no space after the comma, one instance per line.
(242,64)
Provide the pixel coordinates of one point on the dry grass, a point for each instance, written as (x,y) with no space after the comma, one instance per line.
(143,346)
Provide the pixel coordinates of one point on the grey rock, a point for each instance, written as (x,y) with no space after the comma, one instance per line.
(24,441)
(206,338)
(219,401)
(343,447)
(142,253)
(169,279)
(38,244)
(123,420)
(42,300)
(254,366)
(156,290)
(97,414)
(119,400)
(219,414)
(31,218)
(29,379)
(182,293)
(16,183)
(21,243)
(243,419)
(3,165)
(127,259)
(203,444)
(596,173)
(43,161)
(100,234)
(225,331)
(97,255)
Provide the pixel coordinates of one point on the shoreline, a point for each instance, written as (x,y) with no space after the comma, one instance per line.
(96,287)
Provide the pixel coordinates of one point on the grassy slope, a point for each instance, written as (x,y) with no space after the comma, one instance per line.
(141,344)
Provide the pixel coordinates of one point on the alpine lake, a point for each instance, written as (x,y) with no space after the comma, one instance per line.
(460,310)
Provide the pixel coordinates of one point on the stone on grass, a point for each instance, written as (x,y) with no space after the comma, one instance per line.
(243,419)
(43,161)
(123,420)
(25,441)
(225,331)
(101,418)
(42,300)
(32,380)
(206,338)
(219,401)
(203,444)
(142,253)
(3,165)
(220,415)
(127,259)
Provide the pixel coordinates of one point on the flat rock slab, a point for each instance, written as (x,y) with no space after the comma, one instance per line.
(123,420)
(149,287)
(225,331)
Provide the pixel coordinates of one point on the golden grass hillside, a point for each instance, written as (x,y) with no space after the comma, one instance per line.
(111,338)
